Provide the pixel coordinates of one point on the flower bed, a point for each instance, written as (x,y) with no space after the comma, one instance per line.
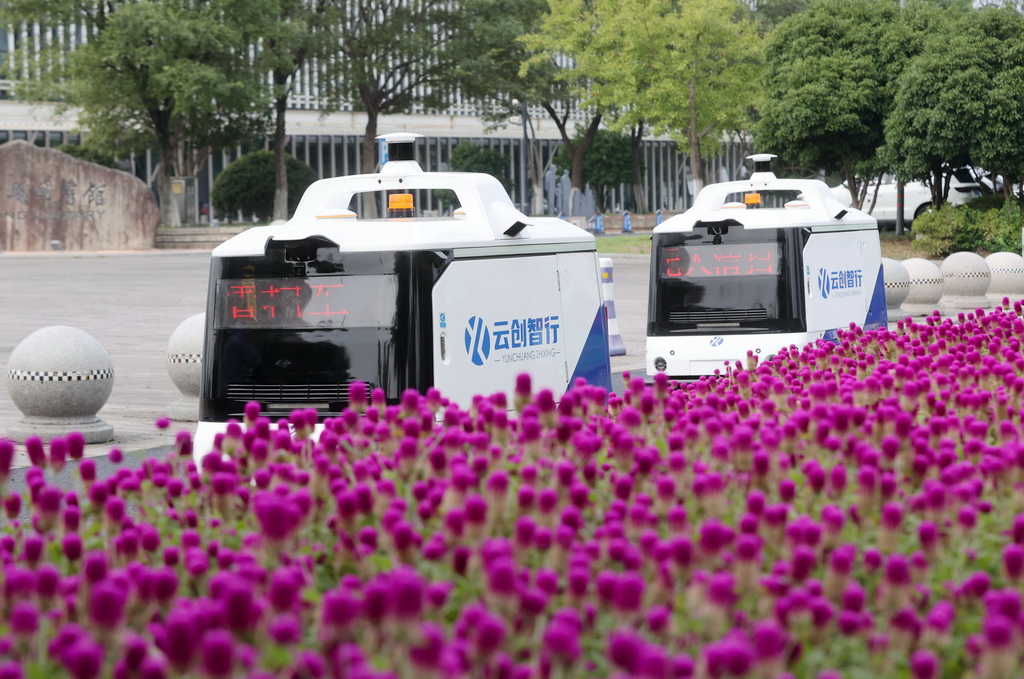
(843,510)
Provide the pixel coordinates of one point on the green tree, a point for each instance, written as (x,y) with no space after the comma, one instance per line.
(470,157)
(770,13)
(562,51)
(608,164)
(171,76)
(691,67)
(247,185)
(1000,146)
(394,56)
(828,80)
(297,35)
(939,103)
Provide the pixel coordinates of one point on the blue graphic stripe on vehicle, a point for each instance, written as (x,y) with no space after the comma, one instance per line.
(594,365)
(878,313)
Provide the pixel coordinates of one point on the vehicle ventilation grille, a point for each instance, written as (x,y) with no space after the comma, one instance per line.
(289,393)
(718,316)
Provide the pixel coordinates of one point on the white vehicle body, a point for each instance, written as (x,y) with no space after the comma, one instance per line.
(727,279)
(463,303)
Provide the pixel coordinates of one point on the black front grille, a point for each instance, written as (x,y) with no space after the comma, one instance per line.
(718,316)
(290,393)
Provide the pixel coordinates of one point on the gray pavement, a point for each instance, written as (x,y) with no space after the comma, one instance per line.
(132,302)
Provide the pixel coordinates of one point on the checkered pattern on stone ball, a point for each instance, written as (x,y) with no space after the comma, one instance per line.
(59,376)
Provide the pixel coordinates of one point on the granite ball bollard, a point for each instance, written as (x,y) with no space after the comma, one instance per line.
(184,366)
(59,377)
(897,284)
(966,278)
(1007,277)
(926,285)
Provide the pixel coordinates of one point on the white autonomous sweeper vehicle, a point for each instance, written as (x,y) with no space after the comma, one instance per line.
(757,265)
(463,302)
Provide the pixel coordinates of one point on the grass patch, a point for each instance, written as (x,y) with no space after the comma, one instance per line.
(624,245)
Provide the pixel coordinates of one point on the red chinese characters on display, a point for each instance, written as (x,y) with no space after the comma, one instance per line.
(267,300)
(719,261)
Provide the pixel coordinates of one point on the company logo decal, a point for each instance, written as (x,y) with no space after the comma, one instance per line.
(840,283)
(478,340)
(518,339)
(717,341)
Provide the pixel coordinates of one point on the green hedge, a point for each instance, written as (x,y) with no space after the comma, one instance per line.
(247,185)
(964,228)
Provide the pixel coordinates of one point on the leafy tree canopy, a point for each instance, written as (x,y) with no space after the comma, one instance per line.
(827,80)
(170,76)
(939,105)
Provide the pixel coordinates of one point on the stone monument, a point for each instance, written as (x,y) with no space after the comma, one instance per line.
(52,201)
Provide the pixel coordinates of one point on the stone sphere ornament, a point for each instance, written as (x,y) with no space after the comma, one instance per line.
(966,279)
(897,285)
(184,367)
(925,287)
(1007,277)
(59,377)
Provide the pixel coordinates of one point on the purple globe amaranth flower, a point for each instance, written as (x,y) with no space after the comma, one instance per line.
(897,571)
(501,577)
(769,640)
(490,635)
(12,505)
(561,642)
(924,664)
(341,608)
(180,637)
(285,629)
(217,654)
(731,656)
(35,450)
(23,619)
(83,658)
(625,649)
(278,517)
(407,593)
(284,589)
(106,605)
(629,593)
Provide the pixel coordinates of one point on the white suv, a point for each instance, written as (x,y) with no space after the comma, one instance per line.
(917,197)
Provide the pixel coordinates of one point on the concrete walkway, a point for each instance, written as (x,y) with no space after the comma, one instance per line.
(131,302)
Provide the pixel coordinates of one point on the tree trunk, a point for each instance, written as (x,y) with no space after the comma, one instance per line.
(280,158)
(536,171)
(636,139)
(169,215)
(696,162)
(576,153)
(696,167)
(369,200)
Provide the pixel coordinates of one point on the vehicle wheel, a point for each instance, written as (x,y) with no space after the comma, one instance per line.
(922,209)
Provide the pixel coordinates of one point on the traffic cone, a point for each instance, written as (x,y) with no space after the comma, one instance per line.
(616,347)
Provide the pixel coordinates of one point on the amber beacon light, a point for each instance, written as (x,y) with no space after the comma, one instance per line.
(400,205)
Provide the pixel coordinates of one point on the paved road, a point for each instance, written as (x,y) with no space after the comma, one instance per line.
(133,302)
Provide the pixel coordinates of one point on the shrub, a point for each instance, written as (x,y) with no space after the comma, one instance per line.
(953,228)
(90,154)
(247,185)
